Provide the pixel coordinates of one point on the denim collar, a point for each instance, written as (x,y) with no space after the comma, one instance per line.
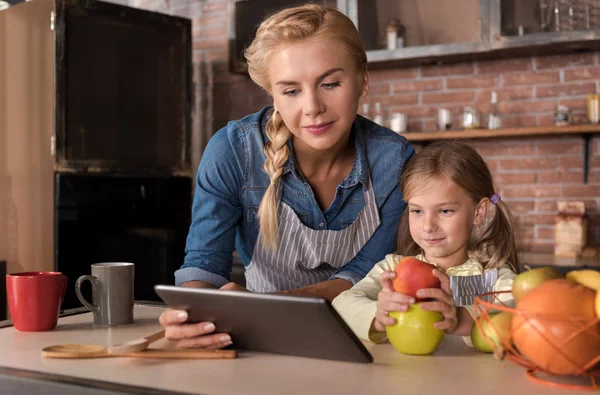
(360,169)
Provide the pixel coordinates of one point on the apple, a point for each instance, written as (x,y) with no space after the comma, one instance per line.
(412,275)
(497,329)
(414,333)
(530,279)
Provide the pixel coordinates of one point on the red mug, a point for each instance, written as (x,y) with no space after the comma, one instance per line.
(34,299)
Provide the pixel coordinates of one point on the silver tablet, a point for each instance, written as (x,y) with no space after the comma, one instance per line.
(292,325)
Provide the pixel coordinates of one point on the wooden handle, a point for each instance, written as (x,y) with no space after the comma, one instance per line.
(80,351)
(155,336)
(175,353)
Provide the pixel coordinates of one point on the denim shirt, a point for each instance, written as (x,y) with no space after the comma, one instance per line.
(231,182)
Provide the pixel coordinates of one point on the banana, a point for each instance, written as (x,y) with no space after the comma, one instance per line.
(588,278)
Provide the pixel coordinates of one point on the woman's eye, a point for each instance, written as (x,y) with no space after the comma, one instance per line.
(331,85)
(415,211)
(291,93)
(446,212)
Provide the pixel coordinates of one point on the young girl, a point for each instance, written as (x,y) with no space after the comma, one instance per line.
(305,191)
(449,191)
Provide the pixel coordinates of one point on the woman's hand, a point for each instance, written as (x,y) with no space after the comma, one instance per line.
(389,300)
(198,335)
(231,286)
(442,302)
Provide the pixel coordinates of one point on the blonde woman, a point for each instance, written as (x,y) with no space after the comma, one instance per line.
(306,191)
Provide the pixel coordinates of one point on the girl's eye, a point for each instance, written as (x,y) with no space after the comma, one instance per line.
(331,85)
(291,93)
(415,211)
(446,212)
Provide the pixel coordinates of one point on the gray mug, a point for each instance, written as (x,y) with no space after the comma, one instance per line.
(112,292)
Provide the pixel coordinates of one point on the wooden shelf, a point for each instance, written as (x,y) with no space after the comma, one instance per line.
(497,133)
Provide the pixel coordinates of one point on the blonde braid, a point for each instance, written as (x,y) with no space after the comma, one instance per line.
(277,153)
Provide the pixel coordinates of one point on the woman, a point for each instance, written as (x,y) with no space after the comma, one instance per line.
(306,191)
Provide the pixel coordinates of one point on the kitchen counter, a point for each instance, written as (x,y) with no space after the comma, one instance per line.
(455,368)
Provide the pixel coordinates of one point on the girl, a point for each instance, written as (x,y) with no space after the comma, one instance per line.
(306,191)
(449,190)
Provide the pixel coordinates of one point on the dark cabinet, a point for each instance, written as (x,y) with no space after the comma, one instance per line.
(95,103)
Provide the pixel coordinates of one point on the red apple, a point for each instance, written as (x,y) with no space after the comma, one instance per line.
(412,275)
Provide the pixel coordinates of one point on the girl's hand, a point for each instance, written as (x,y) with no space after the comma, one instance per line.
(443,302)
(389,300)
(231,286)
(198,335)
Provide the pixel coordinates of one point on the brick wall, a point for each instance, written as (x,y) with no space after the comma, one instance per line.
(531,174)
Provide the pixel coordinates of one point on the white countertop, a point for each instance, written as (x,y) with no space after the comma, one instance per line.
(455,368)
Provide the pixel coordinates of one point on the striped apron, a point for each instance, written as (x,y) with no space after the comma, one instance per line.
(306,256)
(465,288)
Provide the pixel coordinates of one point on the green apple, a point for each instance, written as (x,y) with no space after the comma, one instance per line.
(530,279)
(497,329)
(414,333)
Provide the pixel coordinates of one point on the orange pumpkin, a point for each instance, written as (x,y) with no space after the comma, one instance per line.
(564,308)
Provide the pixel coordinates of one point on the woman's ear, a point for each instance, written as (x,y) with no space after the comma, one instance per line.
(365,85)
(481,211)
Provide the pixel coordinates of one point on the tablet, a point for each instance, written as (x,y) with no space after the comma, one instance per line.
(281,324)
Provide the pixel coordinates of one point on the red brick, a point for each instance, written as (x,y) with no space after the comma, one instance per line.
(562,146)
(575,104)
(519,206)
(557,61)
(395,100)
(531,78)
(545,205)
(498,148)
(379,89)
(504,65)
(527,163)
(579,117)
(430,125)
(542,247)
(487,81)
(526,107)
(414,125)
(417,85)
(561,176)
(525,191)
(539,219)
(514,178)
(595,161)
(453,97)
(217,54)
(546,120)
(391,75)
(523,234)
(568,162)
(575,89)
(506,94)
(210,43)
(580,190)
(451,69)
(211,32)
(518,121)
(209,20)
(416,111)
(587,73)
(214,7)
(544,232)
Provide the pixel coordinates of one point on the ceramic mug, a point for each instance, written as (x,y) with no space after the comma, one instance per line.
(112,293)
(34,299)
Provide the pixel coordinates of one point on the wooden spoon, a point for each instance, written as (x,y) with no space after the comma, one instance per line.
(96,351)
(136,345)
